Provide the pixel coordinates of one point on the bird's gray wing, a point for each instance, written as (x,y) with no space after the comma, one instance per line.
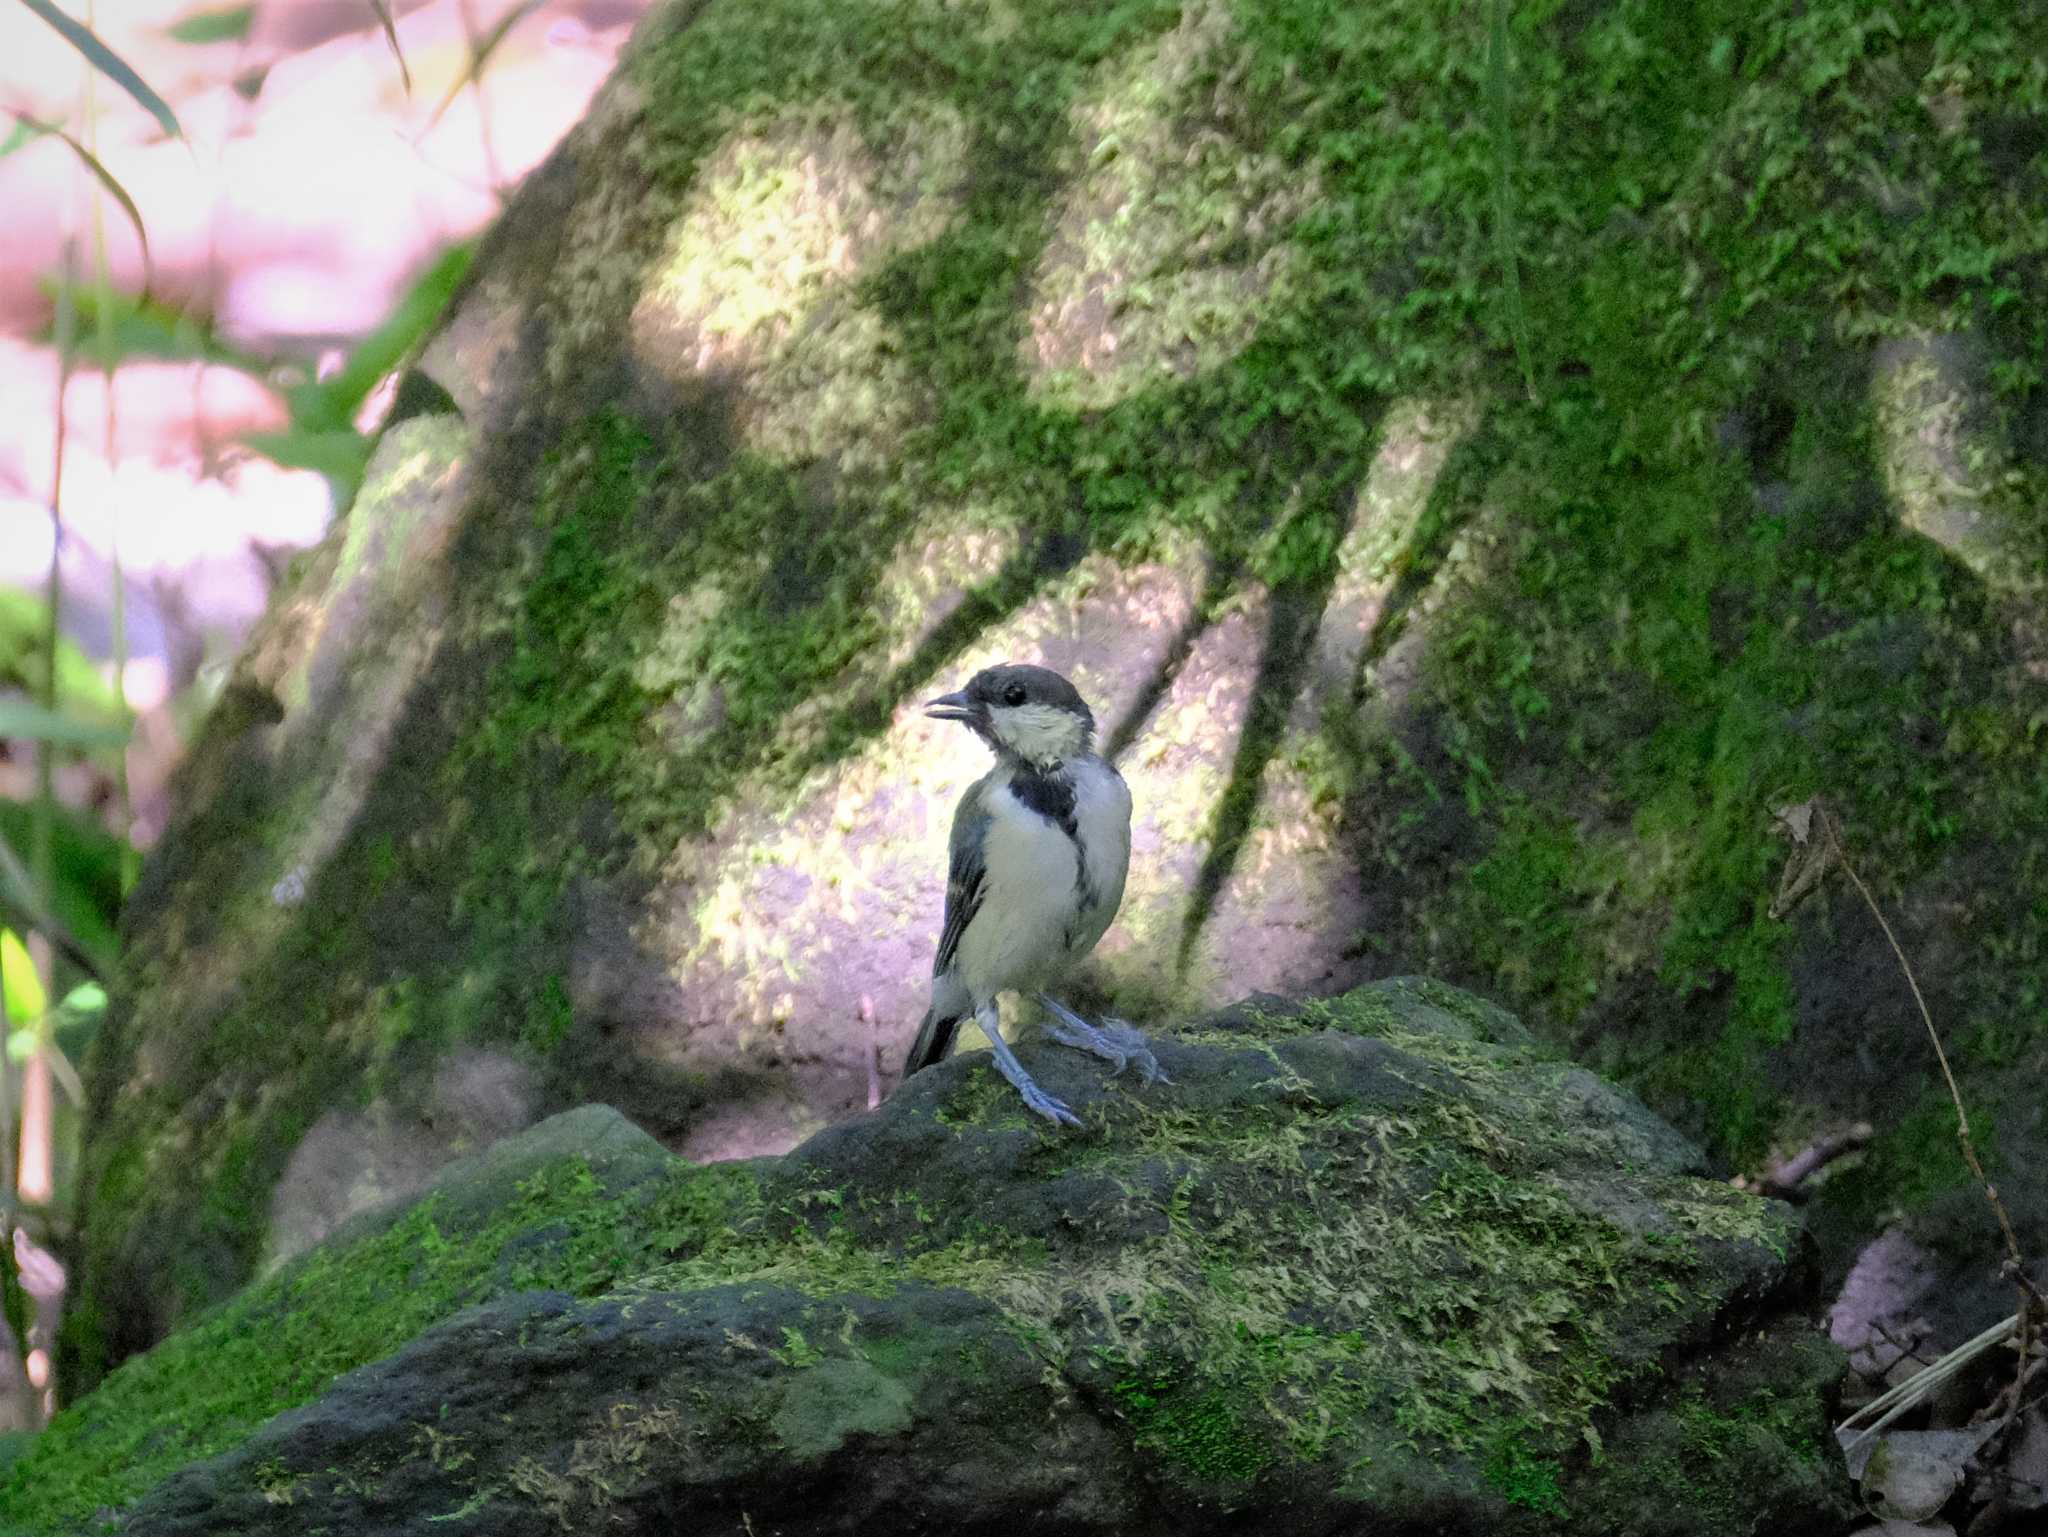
(966,874)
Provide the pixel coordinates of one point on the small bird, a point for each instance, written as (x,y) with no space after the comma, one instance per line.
(1041,844)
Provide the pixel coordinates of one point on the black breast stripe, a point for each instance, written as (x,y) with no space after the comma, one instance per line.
(1052,797)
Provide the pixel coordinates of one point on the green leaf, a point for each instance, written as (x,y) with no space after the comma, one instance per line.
(101,174)
(224,26)
(87,998)
(108,63)
(333,402)
(84,900)
(339,453)
(78,1018)
(24,718)
(142,327)
(24,627)
(20,987)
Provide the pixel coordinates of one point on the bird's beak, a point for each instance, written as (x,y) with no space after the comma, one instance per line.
(951,707)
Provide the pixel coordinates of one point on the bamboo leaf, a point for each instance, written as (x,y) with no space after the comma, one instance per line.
(108,63)
(141,327)
(339,453)
(105,177)
(332,403)
(230,25)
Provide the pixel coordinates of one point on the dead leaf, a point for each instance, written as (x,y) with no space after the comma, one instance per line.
(1797,820)
(1811,858)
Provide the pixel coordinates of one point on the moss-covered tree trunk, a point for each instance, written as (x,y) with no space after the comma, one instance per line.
(846,348)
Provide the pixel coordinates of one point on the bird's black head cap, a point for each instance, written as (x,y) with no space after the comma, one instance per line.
(1023,710)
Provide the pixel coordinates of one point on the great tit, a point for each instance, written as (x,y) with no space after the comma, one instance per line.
(1041,844)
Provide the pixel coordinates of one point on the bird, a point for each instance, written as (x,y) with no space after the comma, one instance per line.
(1040,848)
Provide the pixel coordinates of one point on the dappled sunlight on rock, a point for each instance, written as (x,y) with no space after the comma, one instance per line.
(757,280)
(1949,475)
(1284,911)
(1416,438)
(386,601)
(1169,243)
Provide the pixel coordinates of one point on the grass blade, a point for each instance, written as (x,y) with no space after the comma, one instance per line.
(480,55)
(391,36)
(19,901)
(332,403)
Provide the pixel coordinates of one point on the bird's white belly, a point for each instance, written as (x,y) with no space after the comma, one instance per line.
(1029,908)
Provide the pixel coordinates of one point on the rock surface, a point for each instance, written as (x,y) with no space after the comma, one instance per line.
(1377,1263)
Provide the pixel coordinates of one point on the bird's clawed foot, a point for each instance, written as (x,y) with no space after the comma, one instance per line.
(1116,1040)
(1035,1098)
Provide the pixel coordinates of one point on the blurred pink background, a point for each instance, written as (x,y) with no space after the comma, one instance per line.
(310,189)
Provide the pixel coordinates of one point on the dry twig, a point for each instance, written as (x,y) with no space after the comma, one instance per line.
(1802,873)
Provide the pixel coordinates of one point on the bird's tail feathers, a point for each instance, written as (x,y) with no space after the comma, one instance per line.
(934,1040)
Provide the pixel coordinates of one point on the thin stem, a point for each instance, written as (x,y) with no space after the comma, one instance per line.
(103,337)
(2012,1243)
(2016,1265)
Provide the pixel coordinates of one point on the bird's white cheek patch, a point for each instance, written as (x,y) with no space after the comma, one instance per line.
(1038,732)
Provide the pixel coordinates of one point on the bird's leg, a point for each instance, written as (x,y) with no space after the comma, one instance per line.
(1007,1064)
(1116,1039)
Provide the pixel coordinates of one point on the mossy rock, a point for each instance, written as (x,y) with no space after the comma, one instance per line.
(1379,1262)
(841,350)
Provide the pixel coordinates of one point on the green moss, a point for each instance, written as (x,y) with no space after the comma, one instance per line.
(1202,1432)
(1712,1433)
(1922,1160)
(284,1340)
(1524,1478)
(1525,901)
(550,1022)
(1707,1446)
(1497,1330)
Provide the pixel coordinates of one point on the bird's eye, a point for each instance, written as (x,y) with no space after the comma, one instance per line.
(1014,695)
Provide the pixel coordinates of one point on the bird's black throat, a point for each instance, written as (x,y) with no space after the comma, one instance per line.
(1050,793)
